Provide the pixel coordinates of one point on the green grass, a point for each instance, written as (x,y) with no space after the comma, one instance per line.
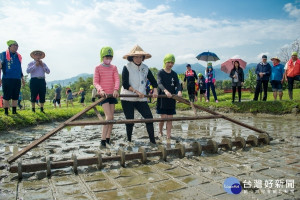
(28,118)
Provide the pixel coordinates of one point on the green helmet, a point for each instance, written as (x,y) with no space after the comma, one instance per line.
(55,85)
(81,88)
(199,74)
(92,86)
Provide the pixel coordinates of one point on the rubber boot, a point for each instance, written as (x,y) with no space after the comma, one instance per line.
(6,111)
(291,95)
(14,110)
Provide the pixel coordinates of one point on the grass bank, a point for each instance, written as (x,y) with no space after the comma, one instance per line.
(28,118)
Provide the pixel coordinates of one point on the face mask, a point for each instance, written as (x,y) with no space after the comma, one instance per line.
(106,61)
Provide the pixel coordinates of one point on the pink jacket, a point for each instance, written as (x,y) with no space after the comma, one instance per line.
(106,79)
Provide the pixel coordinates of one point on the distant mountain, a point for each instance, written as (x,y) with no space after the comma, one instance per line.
(220,75)
(68,81)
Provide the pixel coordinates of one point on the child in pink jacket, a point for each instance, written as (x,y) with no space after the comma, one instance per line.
(106,81)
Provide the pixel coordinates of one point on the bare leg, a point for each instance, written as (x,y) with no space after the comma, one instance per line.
(280,95)
(169,127)
(5,103)
(112,111)
(14,103)
(161,125)
(275,95)
(108,116)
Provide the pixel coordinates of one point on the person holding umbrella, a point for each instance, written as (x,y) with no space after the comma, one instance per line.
(237,75)
(190,77)
(263,72)
(210,81)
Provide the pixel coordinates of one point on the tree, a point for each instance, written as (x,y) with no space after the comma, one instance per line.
(285,52)
(250,82)
(227,84)
(154,71)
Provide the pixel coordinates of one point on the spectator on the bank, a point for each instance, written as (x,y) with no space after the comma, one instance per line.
(277,77)
(37,70)
(210,81)
(202,87)
(82,93)
(190,77)
(12,76)
(69,96)
(263,72)
(237,75)
(94,92)
(292,72)
(57,96)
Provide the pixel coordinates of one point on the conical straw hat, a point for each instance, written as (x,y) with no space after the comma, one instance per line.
(34,54)
(137,51)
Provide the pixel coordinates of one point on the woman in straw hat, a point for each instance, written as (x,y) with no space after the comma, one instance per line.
(134,79)
(168,84)
(107,81)
(37,70)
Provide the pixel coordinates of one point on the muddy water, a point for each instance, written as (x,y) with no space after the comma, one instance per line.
(190,177)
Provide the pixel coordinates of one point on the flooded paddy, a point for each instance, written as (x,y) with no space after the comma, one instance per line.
(188,178)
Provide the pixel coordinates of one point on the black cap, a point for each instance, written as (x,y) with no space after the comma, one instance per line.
(264,56)
(188,65)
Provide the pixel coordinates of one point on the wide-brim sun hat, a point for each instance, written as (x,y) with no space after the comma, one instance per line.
(36,52)
(275,58)
(137,51)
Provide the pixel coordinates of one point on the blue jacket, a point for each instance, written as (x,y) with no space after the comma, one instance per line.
(264,68)
(11,69)
(277,72)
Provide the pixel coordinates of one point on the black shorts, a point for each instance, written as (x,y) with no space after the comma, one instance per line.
(109,100)
(38,87)
(82,100)
(11,88)
(165,111)
(202,91)
(56,101)
(276,86)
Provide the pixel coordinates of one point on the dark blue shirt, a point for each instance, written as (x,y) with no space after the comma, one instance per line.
(11,69)
(264,68)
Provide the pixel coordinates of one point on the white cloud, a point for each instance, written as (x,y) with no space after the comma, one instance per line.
(236,56)
(73,34)
(292,10)
(43,2)
(187,58)
(259,56)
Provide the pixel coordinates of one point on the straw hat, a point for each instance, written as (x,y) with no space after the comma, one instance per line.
(37,52)
(137,51)
(275,58)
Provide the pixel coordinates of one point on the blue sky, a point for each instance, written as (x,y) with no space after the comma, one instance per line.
(72,32)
